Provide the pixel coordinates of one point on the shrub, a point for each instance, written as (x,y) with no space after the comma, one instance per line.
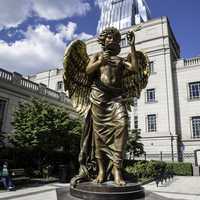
(181,169)
(146,169)
(153,169)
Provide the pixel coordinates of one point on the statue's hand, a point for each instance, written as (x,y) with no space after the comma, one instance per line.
(104,58)
(131,38)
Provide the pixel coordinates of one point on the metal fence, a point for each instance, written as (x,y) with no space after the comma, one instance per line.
(164,156)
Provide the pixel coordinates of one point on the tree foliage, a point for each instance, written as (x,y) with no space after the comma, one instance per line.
(134,146)
(41,125)
(2,137)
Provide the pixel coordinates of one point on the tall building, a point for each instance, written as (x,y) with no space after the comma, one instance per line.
(122,13)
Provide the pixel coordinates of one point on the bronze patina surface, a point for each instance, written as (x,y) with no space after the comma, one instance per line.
(102,89)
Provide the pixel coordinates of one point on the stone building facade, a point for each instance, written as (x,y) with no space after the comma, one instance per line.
(15,89)
(167,111)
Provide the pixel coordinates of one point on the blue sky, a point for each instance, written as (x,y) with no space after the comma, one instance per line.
(34,33)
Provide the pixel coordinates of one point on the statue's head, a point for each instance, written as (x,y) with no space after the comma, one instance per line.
(110,39)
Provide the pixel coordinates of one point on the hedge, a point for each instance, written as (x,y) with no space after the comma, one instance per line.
(181,169)
(152,169)
(146,169)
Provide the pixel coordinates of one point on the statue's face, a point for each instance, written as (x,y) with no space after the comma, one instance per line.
(111,44)
(109,39)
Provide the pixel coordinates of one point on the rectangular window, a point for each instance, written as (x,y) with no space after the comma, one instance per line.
(151,67)
(135,101)
(116,1)
(123,42)
(2,109)
(194,90)
(196,127)
(135,122)
(59,85)
(150,95)
(151,120)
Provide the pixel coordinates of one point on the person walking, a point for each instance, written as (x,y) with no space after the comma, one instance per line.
(5,177)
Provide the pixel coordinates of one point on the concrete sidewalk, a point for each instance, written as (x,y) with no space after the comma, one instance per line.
(35,192)
(180,188)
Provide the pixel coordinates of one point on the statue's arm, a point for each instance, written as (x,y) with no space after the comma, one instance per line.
(94,64)
(131,63)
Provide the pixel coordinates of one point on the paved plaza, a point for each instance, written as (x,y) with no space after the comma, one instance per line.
(179,188)
(182,187)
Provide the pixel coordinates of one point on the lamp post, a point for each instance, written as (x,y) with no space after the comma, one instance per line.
(172,146)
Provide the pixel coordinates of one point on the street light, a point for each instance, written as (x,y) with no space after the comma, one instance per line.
(172,147)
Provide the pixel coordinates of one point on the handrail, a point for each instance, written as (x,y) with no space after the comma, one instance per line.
(192,61)
(5,75)
(29,84)
(17,79)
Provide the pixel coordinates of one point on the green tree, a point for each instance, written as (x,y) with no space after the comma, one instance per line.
(41,126)
(134,146)
(2,137)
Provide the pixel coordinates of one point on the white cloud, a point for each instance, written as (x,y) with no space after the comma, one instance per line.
(40,50)
(14,12)
(99,3)
(51,9)
(68,31)
(83,36)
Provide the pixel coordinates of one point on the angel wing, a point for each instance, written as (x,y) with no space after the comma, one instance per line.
(76,81)
(133,83)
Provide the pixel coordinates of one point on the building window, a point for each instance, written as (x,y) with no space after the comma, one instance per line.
(135,122)
(115,1)
(123,42)
(151,120)
(194,90)
(2,109)
(196,127)
(151,67)
(135,101)
(59,85)
(150,95)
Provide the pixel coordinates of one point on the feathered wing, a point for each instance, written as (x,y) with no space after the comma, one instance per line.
(133,83)
(76,81)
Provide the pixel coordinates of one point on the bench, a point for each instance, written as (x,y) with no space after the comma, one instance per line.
(18,175)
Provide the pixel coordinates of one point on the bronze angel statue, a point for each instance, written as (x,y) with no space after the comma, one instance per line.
(102,89)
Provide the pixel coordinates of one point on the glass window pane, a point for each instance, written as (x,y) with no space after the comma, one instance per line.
(59,85)
(150,95)
(194,90)
(151,123)
(196,127)
(136,122)
(151,67)
(2,109)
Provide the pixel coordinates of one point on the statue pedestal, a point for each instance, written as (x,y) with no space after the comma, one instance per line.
(107,191)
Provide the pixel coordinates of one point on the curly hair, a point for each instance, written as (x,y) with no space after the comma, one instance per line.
(111,30)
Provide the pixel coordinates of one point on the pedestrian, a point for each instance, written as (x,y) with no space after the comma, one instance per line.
(5,177)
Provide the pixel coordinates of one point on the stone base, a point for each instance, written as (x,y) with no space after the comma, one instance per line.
(107,191)
(64,194)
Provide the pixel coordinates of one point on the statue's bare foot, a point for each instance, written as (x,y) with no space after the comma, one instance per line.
(118,179)
(100,178)
(101,174)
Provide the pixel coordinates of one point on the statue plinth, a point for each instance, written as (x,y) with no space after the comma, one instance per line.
(107,191)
